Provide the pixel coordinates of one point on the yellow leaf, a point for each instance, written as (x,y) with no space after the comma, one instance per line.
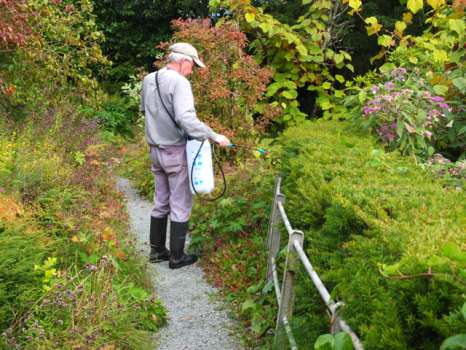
(75,239)
(440,56)
(355,4)
(108,234)
(400,27)
(435,4)
(250,17)
(9,209)
(415,5)
(408,17)
(121,255)
(374,26)
(380,55)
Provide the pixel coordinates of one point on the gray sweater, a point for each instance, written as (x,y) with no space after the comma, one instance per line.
(177,95)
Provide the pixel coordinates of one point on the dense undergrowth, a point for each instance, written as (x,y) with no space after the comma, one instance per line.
(69,273)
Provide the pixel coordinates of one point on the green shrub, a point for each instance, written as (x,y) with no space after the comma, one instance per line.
(386,237)
(20,284)
(231,234)
(69,275)
(117,115)
(136,167)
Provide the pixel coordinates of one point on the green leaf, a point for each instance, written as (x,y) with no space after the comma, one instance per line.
(362,96)
(343,341)
(253,289)
(325,103)
(340,78)
(138,294)
(456,25)
(441,89)
(325,342)
(248,305)
(314,49)
(384,40)
(268,287)
(273,88)
(79,158)
(463,311)
(290,94)
(460,83)
(326,85)
(387,68)
(339,58)
(454,252)
(415,5)
(265,26)
(258,325)
(301,49)
(457,342)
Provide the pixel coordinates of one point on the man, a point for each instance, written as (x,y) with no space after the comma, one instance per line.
(169,118)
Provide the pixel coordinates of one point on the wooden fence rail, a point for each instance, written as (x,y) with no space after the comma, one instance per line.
(295,255)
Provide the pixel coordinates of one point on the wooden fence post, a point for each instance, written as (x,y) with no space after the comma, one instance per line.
(285,310)
(273,241)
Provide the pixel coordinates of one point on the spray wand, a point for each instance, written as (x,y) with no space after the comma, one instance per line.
(261,151)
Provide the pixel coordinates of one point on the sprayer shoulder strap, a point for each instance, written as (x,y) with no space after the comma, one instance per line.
(163,103)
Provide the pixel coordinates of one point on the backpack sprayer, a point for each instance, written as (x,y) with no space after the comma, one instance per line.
(200,167)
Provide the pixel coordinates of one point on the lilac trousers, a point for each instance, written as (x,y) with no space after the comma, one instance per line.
(172,193)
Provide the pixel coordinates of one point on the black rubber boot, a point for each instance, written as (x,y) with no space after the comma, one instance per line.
(158,236)
(178,258)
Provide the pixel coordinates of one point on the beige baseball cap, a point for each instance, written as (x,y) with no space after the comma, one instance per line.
(188,50)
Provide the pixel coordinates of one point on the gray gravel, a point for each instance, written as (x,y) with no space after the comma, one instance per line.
(196,320)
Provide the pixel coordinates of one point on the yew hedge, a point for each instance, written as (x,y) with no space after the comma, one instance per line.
(386,237)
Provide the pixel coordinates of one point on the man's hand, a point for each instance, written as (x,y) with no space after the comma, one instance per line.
(222,140)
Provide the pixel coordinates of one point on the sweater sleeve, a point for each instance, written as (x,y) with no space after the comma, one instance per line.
(185,113)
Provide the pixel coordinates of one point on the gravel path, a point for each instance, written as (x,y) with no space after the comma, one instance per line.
(195,320)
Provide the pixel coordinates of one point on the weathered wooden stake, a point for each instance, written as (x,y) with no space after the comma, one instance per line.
(292,263)
(273,241)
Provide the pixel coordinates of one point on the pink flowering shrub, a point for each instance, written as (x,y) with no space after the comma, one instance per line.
(406,114)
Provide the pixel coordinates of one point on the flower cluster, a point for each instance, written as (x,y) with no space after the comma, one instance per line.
(404,113)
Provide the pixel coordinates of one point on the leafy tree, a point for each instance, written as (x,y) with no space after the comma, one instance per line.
(353,38)
(134,28)
(229,92)
(300,55)
(61,52)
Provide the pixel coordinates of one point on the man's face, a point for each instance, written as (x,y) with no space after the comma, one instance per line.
(186,67)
